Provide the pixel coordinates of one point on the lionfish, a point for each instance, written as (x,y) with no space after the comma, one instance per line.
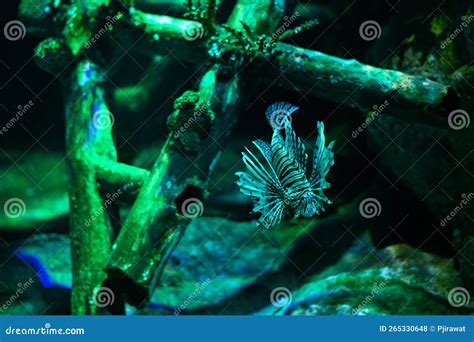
(280,185)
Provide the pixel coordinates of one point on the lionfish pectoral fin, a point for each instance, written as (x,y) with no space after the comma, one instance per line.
(262,185)
(264,149)
(272,214)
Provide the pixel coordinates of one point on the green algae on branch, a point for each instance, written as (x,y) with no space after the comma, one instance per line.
(53,55)
(91,244)
(192,119)
(337,79)
(153,228)
(165,27)
(90,154)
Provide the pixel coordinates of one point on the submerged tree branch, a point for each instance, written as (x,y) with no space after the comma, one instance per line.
(411,98)
(114,172)
(90,226)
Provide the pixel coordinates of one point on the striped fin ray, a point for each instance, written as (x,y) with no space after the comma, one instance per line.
(295,146)
(265,149)
(290,175)
(323,160)
(272,213)
(257,176)
(263,185)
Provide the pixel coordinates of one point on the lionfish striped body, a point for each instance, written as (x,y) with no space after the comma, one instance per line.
(280,185)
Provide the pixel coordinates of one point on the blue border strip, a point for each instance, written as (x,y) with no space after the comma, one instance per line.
(242,328)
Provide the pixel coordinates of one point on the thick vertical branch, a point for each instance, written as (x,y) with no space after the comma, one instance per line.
(90,234)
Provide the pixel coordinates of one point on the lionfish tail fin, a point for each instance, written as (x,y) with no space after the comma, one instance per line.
(278,114)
